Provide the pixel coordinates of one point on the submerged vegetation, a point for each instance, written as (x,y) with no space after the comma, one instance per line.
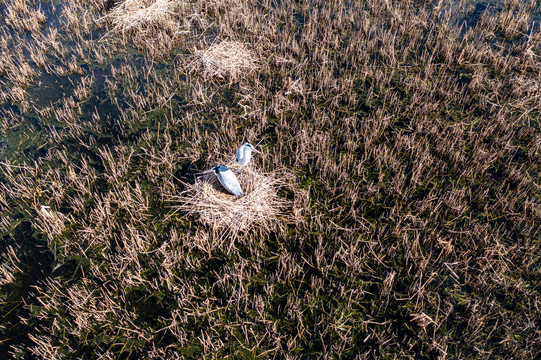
(401,142)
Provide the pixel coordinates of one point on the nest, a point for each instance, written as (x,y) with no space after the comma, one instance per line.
(227,59)
(153,25)
(260,207)
(134,15)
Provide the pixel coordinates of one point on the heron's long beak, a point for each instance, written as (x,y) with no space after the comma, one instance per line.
(255,150)
(206,172)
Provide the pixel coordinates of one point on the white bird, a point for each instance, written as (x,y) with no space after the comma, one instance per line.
(45,211)
(244,154)
(227,178)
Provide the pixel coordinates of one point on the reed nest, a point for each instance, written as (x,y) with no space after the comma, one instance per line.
(259,208)
(146,17)
(226,59)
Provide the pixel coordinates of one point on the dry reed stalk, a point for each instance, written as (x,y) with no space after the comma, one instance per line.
(9,266)
(227,59)
(260,207)
(6,274)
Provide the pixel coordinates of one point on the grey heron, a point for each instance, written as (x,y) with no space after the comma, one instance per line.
(227,178)
(244,154)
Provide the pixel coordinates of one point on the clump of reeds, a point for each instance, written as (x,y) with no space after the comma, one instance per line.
(227,59)
(259,207)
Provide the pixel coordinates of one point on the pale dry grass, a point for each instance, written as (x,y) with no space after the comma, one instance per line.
(260,207)
(227,59)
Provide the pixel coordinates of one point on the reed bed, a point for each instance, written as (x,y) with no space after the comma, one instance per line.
(407,222)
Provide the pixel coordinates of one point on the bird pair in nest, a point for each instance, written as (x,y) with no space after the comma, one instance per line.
(226,177)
